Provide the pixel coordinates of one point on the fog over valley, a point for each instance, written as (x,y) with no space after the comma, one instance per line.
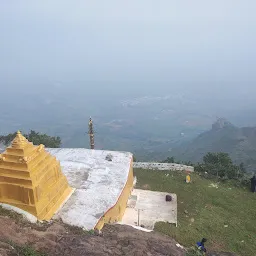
(152,75)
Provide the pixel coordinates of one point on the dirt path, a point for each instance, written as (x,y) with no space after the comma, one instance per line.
(59,239)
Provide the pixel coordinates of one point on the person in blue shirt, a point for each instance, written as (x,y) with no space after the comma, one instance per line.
(200,245)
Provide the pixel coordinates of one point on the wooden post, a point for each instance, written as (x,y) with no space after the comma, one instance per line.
(91,133)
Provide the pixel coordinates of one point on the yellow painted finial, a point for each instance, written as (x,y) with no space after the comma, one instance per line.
(19,141)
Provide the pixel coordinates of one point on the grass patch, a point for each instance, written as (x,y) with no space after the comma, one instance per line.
(194,252)
(28,251)
(25,250)
(10,214)
(226,215)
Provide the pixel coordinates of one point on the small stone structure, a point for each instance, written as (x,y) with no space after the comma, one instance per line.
(163,166)
(31,179)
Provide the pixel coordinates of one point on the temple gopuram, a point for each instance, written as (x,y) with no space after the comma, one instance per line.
(31,179)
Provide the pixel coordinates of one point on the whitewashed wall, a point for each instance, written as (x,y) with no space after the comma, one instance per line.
(163,166)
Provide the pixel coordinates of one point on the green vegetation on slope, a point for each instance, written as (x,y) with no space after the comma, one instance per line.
(225,215)
(239,143)
(26,250)
(35,137)
(217,164)
(220,165)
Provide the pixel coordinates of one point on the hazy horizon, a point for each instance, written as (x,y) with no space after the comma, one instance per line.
(63,61)
(167,44)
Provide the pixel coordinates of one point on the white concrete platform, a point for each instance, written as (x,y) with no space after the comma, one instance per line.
(148,207)
(98,183)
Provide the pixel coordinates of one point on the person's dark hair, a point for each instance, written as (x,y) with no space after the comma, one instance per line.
(203,240)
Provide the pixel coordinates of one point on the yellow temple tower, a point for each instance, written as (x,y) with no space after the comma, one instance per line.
(31,179)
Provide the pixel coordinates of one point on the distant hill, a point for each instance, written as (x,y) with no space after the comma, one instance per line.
(240,143)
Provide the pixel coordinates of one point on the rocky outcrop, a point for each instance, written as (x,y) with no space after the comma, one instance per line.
(221,123)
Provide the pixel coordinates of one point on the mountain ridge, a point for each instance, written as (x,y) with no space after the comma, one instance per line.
(239,143)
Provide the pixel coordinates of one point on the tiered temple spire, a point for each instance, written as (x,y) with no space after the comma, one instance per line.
(31,179)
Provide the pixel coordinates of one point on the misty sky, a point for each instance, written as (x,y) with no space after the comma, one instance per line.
(164,43)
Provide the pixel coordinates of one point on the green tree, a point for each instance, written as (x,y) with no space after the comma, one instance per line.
(48,141)
(242,168)
(7,139)
(219,164)
(189,163)
(169,160)
(34,137)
